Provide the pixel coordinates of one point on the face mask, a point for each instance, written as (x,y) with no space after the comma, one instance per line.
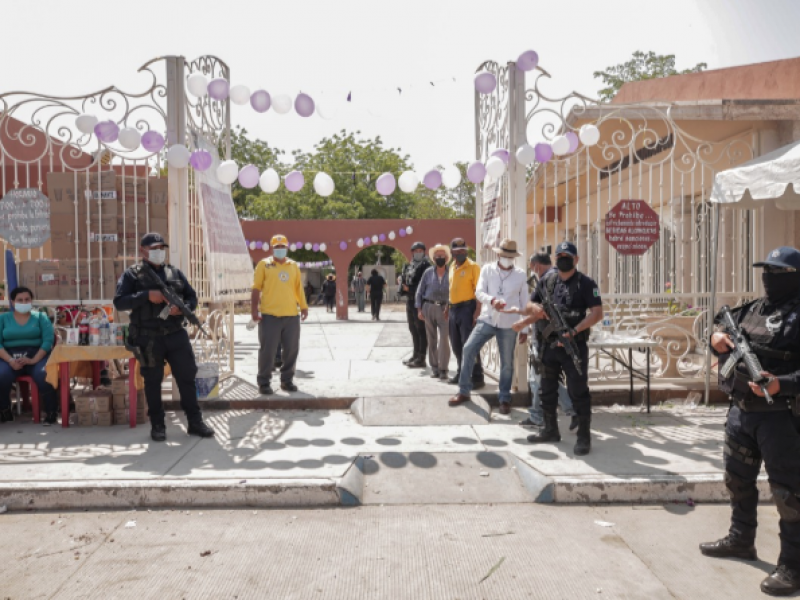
(440,262)
(565,264)
(781,287)
(280,252)
(157,257)
(23,308)
(460,257)
(506,262)
(419,256)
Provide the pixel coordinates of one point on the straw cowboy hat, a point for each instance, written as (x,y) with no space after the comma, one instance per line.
(438,247)
(331,277)
(507,248)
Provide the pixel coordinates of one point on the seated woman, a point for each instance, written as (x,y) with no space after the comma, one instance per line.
(26,339)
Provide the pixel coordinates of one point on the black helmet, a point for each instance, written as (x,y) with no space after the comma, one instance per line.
(417,246)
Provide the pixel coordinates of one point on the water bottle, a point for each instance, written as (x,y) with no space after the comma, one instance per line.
(105,330)
(608,327)
(94,331)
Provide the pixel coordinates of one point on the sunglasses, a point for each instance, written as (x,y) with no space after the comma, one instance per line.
(771,269)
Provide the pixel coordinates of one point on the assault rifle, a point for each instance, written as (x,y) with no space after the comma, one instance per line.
(558,325)
(742,351)
(172,299)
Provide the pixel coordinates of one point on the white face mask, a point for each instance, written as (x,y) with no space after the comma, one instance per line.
(157,257)
(23,308)
(506,262)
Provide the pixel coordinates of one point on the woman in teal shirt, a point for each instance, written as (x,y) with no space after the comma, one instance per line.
(26,339)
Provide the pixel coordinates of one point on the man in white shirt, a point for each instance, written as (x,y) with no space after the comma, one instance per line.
(501,285)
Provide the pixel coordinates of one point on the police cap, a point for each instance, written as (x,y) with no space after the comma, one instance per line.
(418,246)
(566,248)
(785,257)
(153,239)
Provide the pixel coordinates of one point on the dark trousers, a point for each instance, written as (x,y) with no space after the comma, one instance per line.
(774,438)
(330,302)
(274,331)
(8,376)
(176,349)
(460,323)
(375,301)
(554,362)
(417,328)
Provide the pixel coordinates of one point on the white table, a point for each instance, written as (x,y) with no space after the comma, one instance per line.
(630,344)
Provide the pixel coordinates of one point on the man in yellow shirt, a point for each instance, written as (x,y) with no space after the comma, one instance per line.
(276,297)
(464,308)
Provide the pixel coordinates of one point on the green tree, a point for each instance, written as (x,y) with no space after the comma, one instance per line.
(461,198)
(641,67)
(248,152)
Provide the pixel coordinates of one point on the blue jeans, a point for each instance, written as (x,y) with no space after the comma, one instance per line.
(564,401)
(8,376)
(506,341)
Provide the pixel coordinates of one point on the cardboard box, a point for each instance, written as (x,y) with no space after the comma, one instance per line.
(160,226)
(120,402)
(64,189)
(102,279)
(83,405)
(47,280)
(73,276)
(121,417)
(141,417)
(122,263)
(85,419)
(119,386)
(26,274)
(159,197)
(105,419)
(97,401)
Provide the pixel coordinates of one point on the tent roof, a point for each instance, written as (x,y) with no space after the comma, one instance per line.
(772,176)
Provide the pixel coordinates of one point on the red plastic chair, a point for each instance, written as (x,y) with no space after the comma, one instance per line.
(30,391)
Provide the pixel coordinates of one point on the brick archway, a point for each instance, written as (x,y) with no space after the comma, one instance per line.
(331,232)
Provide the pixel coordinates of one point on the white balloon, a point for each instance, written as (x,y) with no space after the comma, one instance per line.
(85,123)
(374,239)
(270,181)
(560,145)
(408,182)
(496,167)
(129,138)
(178,156)
(252,245)
(526,154)
(197,84)
(309,245)
(323,247)
(360,243)
(589,134)
(392,235)
(281,104)
(227,172)
(323,184)
(409,230)
(240,94)
(293,247)
(451,177)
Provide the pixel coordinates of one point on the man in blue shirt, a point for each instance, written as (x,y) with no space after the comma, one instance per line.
(432,299)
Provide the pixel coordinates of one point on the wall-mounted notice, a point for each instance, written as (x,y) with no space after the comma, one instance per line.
(632,227)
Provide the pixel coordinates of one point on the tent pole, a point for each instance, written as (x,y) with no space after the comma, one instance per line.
(713,305)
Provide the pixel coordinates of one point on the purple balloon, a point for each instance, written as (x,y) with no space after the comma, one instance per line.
(527,61)
(402,232)
(260,101)
(304,105)
(218,89)
(294,181)
(107,131)
(367,240)
(315,247)
(299,245)
(385,184)
(248,176)
(485,82)
(574,142)
(200,160)
(476,172)
(152,141)
(544,152)
(382,237)
(259,245)
(432,179)
(342,246)
(502,154)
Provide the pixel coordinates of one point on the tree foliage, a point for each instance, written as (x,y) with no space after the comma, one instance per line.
(641,67)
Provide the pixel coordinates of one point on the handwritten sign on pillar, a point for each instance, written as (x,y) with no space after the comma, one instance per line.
(25,218)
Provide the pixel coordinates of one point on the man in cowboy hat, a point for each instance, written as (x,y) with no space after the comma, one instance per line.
(576,293)
(275,301)
(433,296)
(501,285)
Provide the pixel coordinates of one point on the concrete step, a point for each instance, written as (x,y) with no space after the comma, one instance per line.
(420,410)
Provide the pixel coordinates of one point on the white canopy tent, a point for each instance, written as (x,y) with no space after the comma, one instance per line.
(773,177)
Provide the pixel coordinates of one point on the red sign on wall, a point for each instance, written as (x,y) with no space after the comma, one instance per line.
(632,227)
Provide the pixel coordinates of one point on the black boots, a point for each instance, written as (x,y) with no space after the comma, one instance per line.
(158,432)
(784,581)
(547,434)
(584,443)
(199,428)
(730,547)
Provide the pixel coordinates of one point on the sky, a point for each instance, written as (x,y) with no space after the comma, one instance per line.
(331,48)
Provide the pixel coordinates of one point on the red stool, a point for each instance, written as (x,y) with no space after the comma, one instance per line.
(30,392)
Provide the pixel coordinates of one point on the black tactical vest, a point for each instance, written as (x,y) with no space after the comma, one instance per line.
(149,313)
(572,316)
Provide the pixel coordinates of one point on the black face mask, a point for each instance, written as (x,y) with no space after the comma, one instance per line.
(565,264)
(781,287)
(440,262)
(460,258)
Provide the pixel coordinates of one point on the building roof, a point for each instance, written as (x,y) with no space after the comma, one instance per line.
(776,80)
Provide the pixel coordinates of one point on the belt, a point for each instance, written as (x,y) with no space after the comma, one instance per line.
(761,405)
(158,330)
(434,302)
(457,304)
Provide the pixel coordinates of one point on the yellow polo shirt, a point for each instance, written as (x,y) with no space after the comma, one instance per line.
(281,287)
(463,281)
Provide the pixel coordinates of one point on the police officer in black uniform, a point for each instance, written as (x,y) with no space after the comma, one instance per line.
(411,277)
(161,339)
(757,430)
(577,293)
